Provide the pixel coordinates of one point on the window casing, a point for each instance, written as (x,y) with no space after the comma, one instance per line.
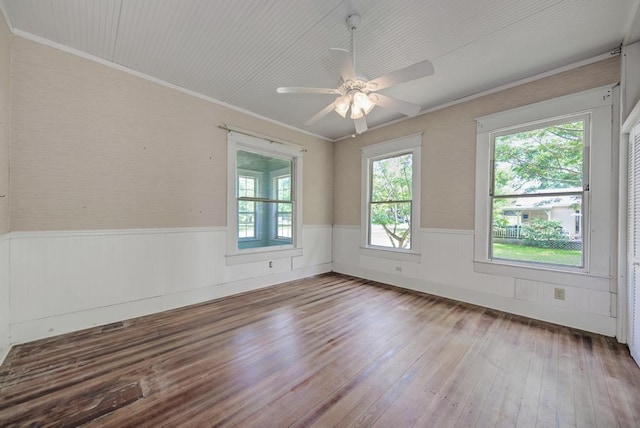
(596,208)
(264,210)
(391,198)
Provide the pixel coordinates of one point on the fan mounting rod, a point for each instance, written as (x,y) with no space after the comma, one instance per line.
(352,24)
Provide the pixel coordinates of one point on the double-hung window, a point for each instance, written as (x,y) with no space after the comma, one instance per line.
(391,195)
(283,214)
(247,185)
(264,197)
(544,204)
(538,191)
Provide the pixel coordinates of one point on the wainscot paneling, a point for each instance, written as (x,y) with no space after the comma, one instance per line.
(446,269)
(66,281)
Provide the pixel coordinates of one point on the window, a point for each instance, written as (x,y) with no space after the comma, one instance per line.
(283,209)
(544,190)
(264,210)
(261,201)
(390,201)
(391,183)
(538,192)
(246,208)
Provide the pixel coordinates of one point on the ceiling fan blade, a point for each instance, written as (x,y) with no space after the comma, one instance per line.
(403,107)
(342,59)
(361,125)
(322,113)
(299,90)
(413,72)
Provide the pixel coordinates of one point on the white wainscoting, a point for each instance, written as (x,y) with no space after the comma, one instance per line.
(5,297)
(67,281)
(446,269)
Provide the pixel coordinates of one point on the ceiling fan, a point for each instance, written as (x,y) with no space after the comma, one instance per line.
(357,92)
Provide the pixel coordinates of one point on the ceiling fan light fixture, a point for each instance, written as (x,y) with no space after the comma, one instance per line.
(361,102)
(356,91)
(342,105)
(356,113)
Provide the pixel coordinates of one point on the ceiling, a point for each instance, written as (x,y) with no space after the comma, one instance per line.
(239,51)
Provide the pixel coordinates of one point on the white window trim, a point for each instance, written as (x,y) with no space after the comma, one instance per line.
(411,143)
(599,250)
(235,142)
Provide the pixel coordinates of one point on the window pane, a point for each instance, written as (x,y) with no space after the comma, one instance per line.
(544,160)
(246,209)
(538,229)
(271,224)
(390,225)
(246,219)
(246,186)
(283,188)
(391,179)
(284,221)
(260,165)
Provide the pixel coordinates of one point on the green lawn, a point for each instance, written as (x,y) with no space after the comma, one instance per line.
(538,255)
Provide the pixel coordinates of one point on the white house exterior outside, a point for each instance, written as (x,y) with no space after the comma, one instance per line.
(564,209)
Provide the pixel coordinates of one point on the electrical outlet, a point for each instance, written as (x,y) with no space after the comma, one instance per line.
(559,294)
(270,264)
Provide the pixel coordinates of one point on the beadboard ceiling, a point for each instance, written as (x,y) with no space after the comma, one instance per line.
(240,51)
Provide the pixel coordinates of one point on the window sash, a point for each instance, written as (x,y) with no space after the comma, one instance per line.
(272,221)
(542,193)
(585,118)
(372,202)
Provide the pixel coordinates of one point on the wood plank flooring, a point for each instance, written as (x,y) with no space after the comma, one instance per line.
(325,351)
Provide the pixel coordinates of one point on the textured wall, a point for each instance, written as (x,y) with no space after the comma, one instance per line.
(448,147)
(5,117)
(97,148)
(5,42)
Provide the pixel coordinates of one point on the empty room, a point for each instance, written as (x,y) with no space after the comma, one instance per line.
(274,213)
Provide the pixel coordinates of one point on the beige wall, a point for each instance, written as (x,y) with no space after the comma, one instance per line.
(97,148)
(448,142)
(5,117)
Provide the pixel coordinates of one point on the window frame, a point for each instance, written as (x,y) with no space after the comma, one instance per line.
(256,223)
(585,117)
(599,251)
(240,142)
(275,177)
(399,146)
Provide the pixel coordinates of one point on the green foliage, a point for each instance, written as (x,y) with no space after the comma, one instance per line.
(500,221)
(545,158)
(542,233)
(391,198)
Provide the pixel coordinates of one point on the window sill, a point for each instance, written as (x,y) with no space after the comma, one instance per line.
(557,275)
(262,255)
(390,254)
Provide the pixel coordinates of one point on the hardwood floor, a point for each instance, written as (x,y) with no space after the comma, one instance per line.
(325,351)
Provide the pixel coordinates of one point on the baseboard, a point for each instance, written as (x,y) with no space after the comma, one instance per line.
(588,322)
(65,323)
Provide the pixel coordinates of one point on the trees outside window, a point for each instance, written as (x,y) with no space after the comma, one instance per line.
(390,197)
(537,192)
